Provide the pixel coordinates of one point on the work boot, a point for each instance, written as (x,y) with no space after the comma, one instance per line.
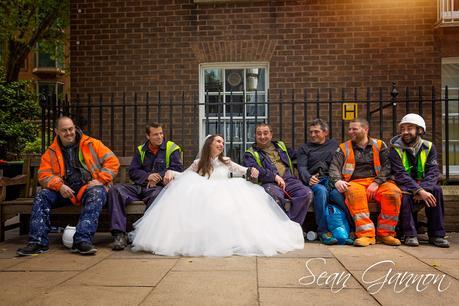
(439,242)
(84,248)
(119,241)
(328,239)
(364,241)
(389,240)
(412,241)
(32,249)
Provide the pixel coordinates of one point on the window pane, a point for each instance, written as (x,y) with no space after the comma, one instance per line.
(255,79)
(234,80)
(256,106)
(213,80)
(214,127)
(234,105)
(214,105)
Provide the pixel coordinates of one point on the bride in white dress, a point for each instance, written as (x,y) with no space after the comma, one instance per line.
(204,212)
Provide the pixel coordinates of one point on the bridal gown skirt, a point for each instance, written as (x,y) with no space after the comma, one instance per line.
(197,216)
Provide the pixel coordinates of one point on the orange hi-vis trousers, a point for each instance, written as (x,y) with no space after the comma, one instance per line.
(388,195)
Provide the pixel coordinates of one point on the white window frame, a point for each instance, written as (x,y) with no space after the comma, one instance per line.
(453,169)
(202,94)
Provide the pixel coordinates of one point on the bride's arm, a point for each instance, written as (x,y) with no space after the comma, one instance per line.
(171,174)
(241,170)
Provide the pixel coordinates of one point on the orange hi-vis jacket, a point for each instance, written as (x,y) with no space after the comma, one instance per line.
(95,157)
(349,159)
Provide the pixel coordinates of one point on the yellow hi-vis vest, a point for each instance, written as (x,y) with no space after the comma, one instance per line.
(171,147)
(422,159)
(281,145)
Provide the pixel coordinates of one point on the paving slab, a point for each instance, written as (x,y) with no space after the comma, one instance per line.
(311,249)
(124,272)
(448,266)
(94,295)
(127,253)
(6,263)
(430,251)
(59,262)
(205,288)
(303,273)
(392,289)
(18,287)
(354,258)
(234,263)
(297,296)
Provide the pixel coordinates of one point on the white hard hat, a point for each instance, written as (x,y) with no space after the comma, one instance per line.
(414,119)
(67,236)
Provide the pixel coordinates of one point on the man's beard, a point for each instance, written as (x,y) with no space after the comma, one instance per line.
(411,140)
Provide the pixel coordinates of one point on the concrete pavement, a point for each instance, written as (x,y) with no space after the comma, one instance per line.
(317,274)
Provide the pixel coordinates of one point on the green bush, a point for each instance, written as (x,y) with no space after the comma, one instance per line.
(19,111)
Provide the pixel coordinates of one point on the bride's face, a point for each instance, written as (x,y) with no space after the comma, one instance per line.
(217,145)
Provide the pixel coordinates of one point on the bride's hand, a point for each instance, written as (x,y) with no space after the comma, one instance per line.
(168,177)
(254,172)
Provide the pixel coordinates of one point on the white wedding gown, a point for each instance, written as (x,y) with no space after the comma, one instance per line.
(216,216)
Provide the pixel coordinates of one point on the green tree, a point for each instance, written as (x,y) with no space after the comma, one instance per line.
(26,23)
(19,111)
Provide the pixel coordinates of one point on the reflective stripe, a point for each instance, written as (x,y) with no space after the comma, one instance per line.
(103,158)
(94,157)
(422,160)
(52,157)
(388,217)
(171,147)
(361,216)
(364,227)
(108,171)
(255,155)
(48,179)
(386,227)
(142,153)
(45,170)
(283,147)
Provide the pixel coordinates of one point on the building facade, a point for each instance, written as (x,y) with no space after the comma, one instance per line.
(236,53)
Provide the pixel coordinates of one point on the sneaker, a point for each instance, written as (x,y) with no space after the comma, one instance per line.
(119,242)
(439,242)
(32,249)
(412,241)
(389,240)
(364,241)
(84,248)
(349,241)
(328,239)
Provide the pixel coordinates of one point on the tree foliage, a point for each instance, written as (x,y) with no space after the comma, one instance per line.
(26,23)
(19,111)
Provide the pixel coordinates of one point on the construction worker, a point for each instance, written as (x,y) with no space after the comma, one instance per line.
(415,168)
(274,162)
(314,159)
(75,169)
(360,169)
(148,168)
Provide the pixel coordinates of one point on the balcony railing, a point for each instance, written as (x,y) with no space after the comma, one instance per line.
(448,12)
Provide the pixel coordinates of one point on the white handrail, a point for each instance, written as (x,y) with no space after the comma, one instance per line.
(448,12)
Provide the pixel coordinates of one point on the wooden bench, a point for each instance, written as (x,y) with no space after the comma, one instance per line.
(29,181)
(22,206)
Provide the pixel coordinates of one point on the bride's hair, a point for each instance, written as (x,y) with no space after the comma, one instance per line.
(205,160)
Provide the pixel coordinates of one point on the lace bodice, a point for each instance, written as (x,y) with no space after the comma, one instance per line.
(221,170)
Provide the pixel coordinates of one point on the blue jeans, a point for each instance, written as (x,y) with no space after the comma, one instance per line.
(323,195)
(93,200)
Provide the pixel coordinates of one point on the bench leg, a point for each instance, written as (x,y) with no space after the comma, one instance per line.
(2,225)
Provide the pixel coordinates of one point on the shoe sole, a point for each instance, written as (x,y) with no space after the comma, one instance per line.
(118,248)
(90,252)
(28,254)
(365,245)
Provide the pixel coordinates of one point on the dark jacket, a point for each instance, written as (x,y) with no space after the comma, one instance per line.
(139,172)
(315,158)
(405,181)
(268,172)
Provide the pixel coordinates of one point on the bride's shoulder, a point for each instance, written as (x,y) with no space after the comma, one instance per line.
(226,159)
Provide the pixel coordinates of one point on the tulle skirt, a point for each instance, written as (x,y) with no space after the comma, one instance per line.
(197,216)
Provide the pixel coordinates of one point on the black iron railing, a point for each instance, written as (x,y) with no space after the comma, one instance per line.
(119,120)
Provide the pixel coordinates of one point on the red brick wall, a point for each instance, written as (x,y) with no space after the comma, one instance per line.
(139,46)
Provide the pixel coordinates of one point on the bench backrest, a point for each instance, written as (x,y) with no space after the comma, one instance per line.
(32,163)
